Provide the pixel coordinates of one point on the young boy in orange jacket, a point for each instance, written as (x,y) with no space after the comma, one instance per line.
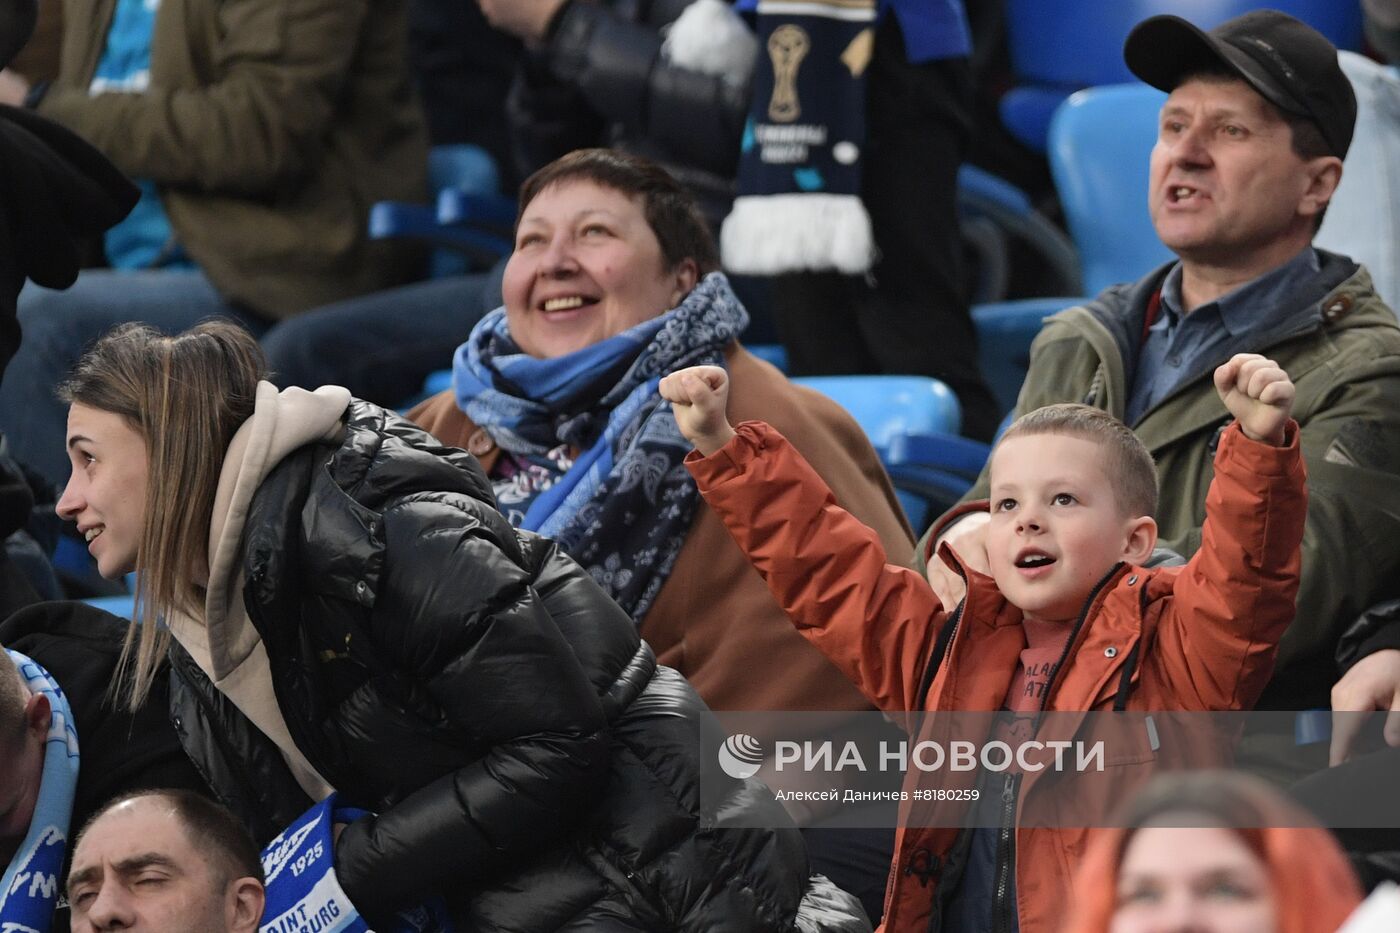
(1068,621)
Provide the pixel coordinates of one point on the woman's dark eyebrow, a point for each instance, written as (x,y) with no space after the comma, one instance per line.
(79,439)
(578,216)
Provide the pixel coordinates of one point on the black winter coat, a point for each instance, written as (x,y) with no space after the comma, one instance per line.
(599,79)
(473,686)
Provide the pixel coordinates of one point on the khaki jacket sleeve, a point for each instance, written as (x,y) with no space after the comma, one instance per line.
(255,118)
(1350,559)
(1234,598)
(874,620)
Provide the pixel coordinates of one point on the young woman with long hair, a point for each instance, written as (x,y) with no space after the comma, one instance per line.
(345,609)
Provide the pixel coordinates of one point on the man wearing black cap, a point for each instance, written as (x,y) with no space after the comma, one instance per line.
(1250,148)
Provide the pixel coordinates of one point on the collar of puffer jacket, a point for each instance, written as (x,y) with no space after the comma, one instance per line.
(225,643)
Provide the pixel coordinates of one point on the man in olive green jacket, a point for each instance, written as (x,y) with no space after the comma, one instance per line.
(1236,200)
(262,130)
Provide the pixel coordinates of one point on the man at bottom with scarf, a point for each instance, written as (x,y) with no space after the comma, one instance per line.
(165,861)
(65,749)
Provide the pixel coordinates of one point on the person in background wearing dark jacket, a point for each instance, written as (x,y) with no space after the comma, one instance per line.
(604,77)
(260,132)
(884,93)
(120,749)
(347,611)
(55,193)
(634,77)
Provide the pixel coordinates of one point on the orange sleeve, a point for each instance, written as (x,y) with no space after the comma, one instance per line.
(1233,600)
(874,620)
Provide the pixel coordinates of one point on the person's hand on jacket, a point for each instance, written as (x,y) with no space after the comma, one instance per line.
(698,395)
(1373,683)
(968,538)
(14,89)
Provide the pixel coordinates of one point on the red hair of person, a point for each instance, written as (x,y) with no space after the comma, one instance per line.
(1314,886)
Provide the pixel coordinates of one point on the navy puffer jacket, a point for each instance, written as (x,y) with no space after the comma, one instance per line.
(470,684)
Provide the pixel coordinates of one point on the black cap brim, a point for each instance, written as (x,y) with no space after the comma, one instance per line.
(1162,50)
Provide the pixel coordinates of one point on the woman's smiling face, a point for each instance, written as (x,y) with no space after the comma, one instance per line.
(586,266)
(106,491)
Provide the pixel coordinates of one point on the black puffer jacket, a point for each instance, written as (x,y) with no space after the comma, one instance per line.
(470,684)
(600,79)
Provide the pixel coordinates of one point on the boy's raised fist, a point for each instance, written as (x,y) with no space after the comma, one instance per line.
(698,396)
(1258,393)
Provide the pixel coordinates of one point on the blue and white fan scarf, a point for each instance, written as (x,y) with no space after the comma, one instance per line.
(799,205)
(303,893)
(29,890)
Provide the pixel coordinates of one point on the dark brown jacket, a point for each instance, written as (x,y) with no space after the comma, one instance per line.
(714,620)
(270,127)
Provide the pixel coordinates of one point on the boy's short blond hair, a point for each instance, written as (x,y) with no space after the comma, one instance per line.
(1128,465)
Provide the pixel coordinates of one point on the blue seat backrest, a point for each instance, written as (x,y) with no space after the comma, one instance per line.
(886,406)
(1101,140)
(1076,43)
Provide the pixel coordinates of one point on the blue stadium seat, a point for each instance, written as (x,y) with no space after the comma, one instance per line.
(888,406)
(774,353)
(464,170)
(1005,330)
(893,411)
(1059,46)
(1101,140)
(437,382)
(992,212)
(124,606)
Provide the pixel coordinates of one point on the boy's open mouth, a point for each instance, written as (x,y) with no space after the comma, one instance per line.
(1031,559)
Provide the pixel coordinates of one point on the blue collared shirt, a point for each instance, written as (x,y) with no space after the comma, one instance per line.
(1178,345)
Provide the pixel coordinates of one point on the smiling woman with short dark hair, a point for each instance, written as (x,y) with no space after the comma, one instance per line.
(612,285)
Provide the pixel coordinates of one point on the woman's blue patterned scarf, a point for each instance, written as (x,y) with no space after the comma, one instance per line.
(624,509)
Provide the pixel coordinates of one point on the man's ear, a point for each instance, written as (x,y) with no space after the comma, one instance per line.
(247,899)
(37,716)
(1324,175)
(1141,541)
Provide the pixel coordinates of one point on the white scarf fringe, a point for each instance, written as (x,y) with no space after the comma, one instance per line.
(773,234)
